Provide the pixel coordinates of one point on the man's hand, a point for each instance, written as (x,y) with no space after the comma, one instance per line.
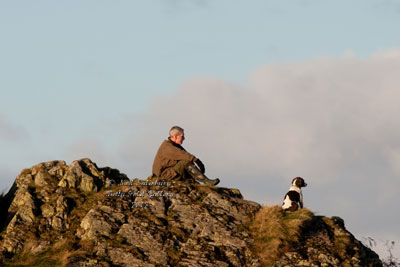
(200,165)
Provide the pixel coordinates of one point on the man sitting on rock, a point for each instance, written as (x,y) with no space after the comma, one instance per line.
(173,162)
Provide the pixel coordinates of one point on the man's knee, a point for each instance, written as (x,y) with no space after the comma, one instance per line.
(182,163)
(179,168)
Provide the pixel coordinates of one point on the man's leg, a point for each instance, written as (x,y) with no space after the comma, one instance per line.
(180,169)
(198,175)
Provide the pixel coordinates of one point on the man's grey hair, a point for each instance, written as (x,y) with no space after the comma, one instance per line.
(175,130)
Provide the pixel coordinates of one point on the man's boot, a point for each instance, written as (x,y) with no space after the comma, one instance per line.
(198,175)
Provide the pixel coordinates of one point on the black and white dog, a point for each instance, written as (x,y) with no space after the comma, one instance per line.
(294,198)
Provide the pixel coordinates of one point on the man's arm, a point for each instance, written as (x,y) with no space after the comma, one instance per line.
(169,151)
(200,165)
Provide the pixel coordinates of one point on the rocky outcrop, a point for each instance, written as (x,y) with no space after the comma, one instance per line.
(101,217)
(326,242)
(83,215)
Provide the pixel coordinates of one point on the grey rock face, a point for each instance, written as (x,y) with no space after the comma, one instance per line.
(152,224)
(82,215)
(38,203)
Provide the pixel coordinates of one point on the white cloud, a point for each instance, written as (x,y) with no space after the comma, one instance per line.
(314,118)
(331,120)
(393,157)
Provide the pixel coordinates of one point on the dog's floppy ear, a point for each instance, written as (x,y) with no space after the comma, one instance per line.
(299,182)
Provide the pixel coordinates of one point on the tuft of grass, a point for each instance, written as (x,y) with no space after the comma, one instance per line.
(26,259)
(274,231)
(55,255)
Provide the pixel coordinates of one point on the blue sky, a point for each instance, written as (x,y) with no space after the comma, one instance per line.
(266,90)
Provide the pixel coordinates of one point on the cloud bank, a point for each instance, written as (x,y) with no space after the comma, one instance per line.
(332,120)
(313,117)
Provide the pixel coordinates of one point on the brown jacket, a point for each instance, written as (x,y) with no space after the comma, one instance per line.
(167,157)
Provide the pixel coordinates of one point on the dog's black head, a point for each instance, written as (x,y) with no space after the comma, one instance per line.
(299,182)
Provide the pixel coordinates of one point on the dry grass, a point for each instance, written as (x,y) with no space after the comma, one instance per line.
(59,254)
(275,230)
(26,259)
(55,255)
